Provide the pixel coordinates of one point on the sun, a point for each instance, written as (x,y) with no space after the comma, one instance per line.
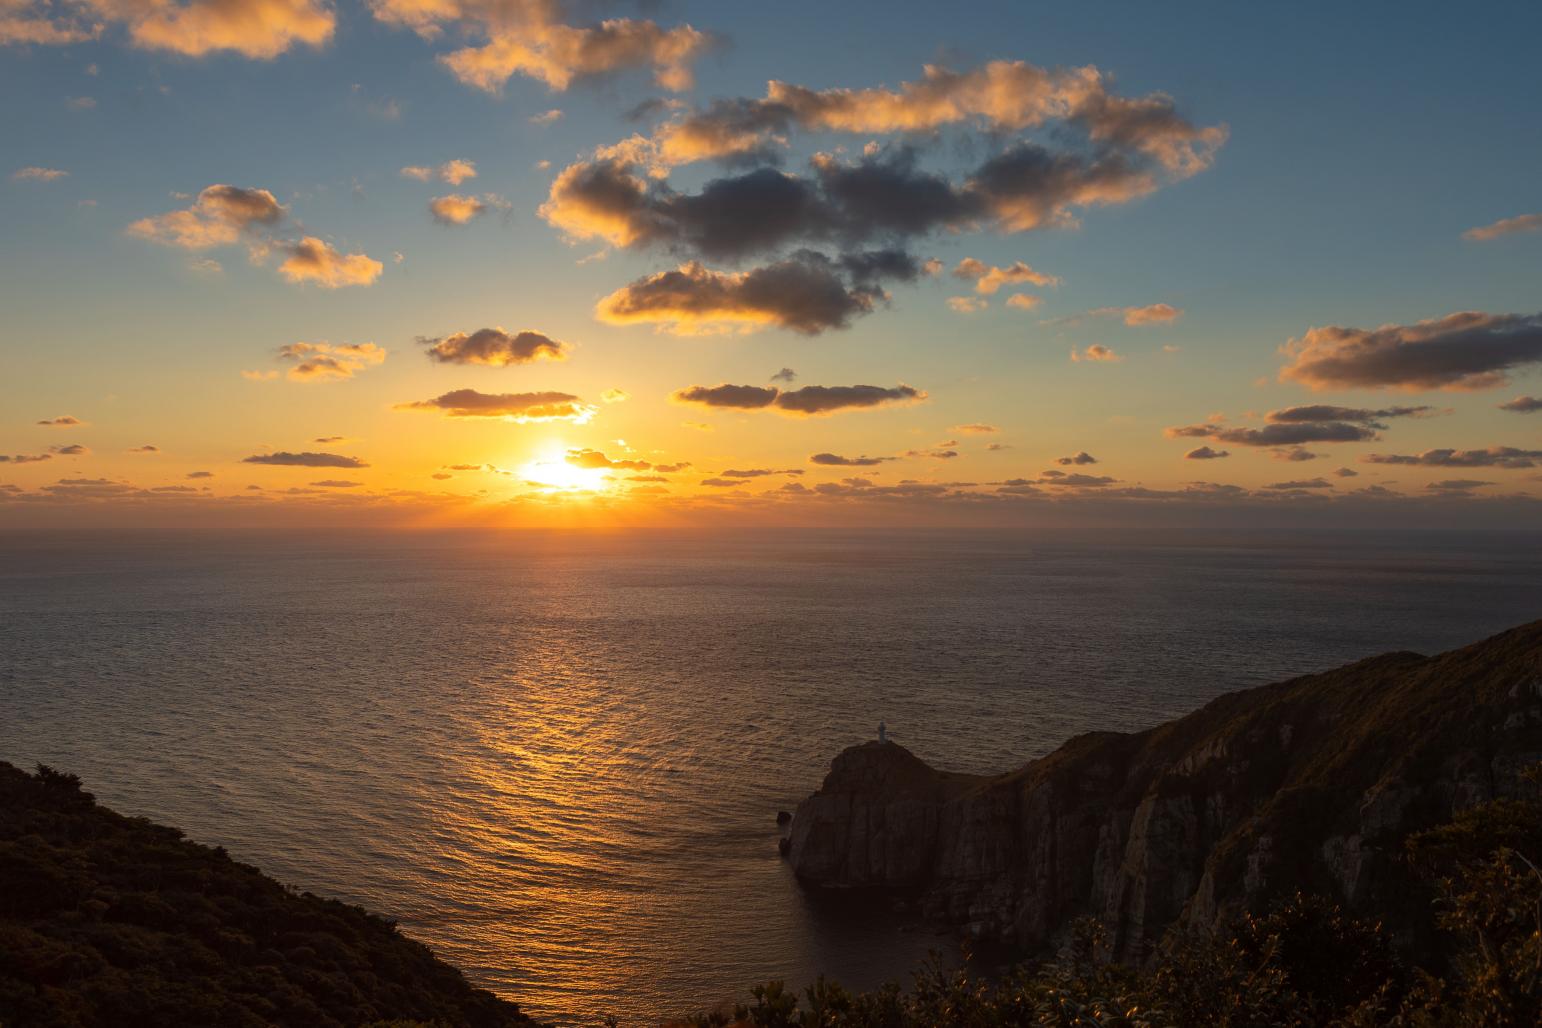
(551,473)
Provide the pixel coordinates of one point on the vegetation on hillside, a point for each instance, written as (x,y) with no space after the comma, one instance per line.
(116,922)
(1305,963)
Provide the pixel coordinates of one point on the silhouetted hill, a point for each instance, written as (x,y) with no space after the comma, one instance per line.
(113,921)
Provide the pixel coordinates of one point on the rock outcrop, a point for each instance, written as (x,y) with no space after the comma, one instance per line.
(1311,784)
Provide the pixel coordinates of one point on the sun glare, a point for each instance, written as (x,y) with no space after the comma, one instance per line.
(551,473)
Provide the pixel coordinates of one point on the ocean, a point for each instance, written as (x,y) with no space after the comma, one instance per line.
(557,758)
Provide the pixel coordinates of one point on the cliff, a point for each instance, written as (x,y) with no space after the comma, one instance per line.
(114,921)
(1311,784)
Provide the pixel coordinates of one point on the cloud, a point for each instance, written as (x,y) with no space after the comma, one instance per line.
(595,459)
(1505,227)
(1151,314)
(494,347)
(147,448)
(260,29)
(1491,457)
(1001,96)
(809,400)
(336,483)
(324,439)
(550,117)
(1322,412)
(976,428)
(218,217)
(1456,485)
(528,37)
(455,209)
(1206,453)
(1345,473)
(62,421)
(1310,423)
(1023,302)
(18,458)
(937,454)
(989,278)
(35,174)
(72,450)
(306,459)
(966,304)
(759,472)
(807,293)
(621,194)
(259,376)
(837,461)
(1288,434)
(1522,405)
(517,407)
(615,396)
(1097,353)
(1081,457)
(1463,351)
(1310,483)
(312,260)
(785,375)
(1075,480)
(200,474)
(1295,454)
(321,362)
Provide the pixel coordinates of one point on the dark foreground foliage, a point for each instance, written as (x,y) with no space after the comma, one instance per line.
(1305,963)
(115,921)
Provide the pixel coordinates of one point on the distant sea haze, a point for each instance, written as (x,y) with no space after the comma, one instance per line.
(557,759)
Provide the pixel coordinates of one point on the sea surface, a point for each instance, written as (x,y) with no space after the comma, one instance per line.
(558,758)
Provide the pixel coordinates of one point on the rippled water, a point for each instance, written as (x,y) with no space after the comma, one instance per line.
(557,759)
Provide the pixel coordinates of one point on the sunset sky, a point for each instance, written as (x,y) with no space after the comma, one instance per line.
(523,262)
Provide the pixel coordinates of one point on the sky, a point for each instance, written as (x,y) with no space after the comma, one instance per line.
(522,262)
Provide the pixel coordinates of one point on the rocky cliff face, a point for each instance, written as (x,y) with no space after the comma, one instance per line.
(1311,784)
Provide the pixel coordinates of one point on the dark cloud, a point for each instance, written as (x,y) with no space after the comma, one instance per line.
(1310,483)
(1277,433)
(1467,350)
(1456,485)
(1522,405)
(147,448)
(521,407)
(1345,473)
(1206,453)
(1492,457)
(72,450)
(336,483)
(938,454)
(1321,412)
(1295,454)
(1064,478)
(807,293)
(19,458)
(305,460)
(1081,457)
(785,375)
(758,472)
(809,400)
(200,474)
(62,421)
(836,460)
(493,346)
(594,459)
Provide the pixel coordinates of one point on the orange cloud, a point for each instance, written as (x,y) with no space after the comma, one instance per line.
(1505,227)
(36,174)
(1467,350)
(261,29)
(528,37)
(321,362)
(312,260)
(455,209)
(1097,353)
(988,278)
(219,217)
